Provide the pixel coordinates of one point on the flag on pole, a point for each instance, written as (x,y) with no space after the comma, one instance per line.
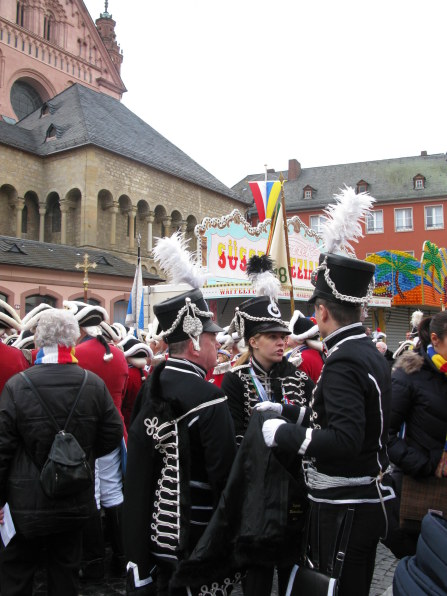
(277,250)
(135,308)
(266,196)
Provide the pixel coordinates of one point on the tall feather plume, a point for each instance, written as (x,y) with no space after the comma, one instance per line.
(177,261)
(260,273)
(343,219)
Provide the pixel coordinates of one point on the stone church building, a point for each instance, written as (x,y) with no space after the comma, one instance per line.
(77,168)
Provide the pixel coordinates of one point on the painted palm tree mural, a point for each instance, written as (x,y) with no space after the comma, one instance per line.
(400,269)
(432,266)
(401,277)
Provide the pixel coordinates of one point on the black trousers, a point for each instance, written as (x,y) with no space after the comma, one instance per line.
(326,524)
(20,559)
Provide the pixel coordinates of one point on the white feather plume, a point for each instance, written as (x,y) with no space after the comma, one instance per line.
(177,261)
(343,219)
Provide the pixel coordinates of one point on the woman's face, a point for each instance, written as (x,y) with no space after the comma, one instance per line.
(268,348)
(440,345)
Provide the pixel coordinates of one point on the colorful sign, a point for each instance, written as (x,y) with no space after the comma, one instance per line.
(225,244)
(407,281)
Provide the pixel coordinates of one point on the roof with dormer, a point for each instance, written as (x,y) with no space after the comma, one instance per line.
(388,180)
(81,116)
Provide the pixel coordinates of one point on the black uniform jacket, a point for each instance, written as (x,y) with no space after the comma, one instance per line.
(349,419)
(284,383)
(420,401)
(180,450)
(259,517)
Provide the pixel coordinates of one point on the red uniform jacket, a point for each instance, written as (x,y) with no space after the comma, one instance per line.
(90,355)
(12,362)
(133,387)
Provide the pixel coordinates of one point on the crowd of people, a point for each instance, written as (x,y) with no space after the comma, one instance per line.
(218,455)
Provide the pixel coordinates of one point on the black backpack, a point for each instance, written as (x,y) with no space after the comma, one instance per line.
(66,471)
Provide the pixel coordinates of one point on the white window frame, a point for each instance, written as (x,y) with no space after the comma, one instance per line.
(419,184)
(321,220)
(307,193)
(436,225)
(374,229)
(406,228)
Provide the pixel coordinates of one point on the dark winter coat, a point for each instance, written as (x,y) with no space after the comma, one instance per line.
(26,435)
(180,450)
(420,401)
(259,518)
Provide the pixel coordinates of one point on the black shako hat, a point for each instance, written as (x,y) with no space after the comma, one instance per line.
(185,316)
(343,279)
(258,315)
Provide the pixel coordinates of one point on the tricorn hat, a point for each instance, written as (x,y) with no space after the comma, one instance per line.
(9,319)
(302,328)
(185,316)
(134,348)
(87,315)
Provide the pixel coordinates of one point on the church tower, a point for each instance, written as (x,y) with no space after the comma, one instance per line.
(106,29)
(47,46)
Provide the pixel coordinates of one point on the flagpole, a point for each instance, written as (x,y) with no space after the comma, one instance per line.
(286,237)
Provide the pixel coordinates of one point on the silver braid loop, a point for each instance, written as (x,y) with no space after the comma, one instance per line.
(192,325)
(240,316)
(344,297)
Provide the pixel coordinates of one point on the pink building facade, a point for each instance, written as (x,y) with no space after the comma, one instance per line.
(46,46)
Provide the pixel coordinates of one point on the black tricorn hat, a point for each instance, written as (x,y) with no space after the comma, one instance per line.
(185,316)
(258,315)
(343,279)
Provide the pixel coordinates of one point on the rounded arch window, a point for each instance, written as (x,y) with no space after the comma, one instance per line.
(91,301)
(33,301)
(3,297)
(24,99)
(120,311)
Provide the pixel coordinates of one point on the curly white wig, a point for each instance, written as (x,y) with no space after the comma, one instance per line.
(56,327)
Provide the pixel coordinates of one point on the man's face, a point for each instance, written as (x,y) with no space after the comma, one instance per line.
(208,350)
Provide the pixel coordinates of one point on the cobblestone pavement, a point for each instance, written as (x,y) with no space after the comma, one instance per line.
(382,581)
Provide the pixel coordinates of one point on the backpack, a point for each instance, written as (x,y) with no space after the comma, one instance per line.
(66,471)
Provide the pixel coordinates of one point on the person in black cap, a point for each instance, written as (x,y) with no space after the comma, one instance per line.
(344,434)
(180,449)
(263,379)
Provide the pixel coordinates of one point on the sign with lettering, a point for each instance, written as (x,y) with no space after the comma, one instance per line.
(225,244)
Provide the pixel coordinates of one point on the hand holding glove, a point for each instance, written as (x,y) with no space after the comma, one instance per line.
(268,405)
(269,429)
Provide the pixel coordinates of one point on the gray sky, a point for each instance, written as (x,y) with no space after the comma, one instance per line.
(243,83)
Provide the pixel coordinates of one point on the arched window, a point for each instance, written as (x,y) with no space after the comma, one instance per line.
(24,99)
(120,311)
(3,297)
(20,14)
(34,300)
(55,218)
(25,219)
(91,301)
(47,27)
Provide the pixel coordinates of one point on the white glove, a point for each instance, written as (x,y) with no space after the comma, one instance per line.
(269,429)
(268,405)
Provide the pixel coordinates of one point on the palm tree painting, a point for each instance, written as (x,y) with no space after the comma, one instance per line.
(432,264)
(399,267)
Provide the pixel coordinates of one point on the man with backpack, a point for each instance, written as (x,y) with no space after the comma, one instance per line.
(50,525)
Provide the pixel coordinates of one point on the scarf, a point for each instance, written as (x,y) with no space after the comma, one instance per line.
(437,359)
(56,355)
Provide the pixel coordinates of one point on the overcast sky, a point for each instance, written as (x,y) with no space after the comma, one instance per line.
(237,84)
